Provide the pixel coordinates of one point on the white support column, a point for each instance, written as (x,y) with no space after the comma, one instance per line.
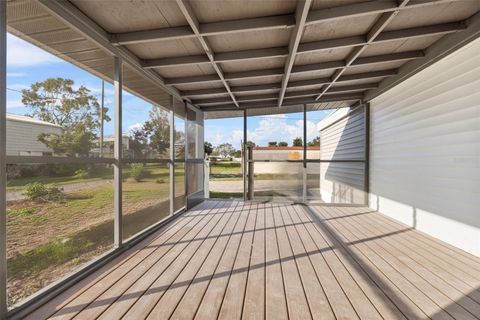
(3,170)
(117,171)
(185,156)
(304,186)
(172,156)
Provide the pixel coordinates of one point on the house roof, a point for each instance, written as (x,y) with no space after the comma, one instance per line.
(27,119)
(292,148)
(264,56)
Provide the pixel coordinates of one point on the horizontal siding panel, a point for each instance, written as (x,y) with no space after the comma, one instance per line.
(425,150)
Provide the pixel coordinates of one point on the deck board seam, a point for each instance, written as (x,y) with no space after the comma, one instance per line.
(124,258)
(207,225)
(206,257)
(358,231)
(430,256)
(379,271)
(192,255)
(311,262)
(99,280)
(295,260)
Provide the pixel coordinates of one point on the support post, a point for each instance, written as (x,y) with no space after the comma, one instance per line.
(3,155)
(185,156)
(244,160)
(250,172)
(117,171)
(101,118)
(206,186)
(304,186)
(367,153)
(172,156)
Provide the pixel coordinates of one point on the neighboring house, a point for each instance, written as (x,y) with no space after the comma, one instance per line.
(108,146)
(22,135)
(284,153)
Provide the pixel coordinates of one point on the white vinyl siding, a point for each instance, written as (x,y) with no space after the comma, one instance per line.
(425,150)
(343,182)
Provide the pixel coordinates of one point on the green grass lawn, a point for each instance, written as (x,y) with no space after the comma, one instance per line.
(226,167)
(153,170)
(83,224)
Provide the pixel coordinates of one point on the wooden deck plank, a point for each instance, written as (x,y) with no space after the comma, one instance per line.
(117,288)
(275,299)
(210,303)
(447,272)
(391,256)
(341,306)
(437,277)
(200,267)
(232,305)
(401,301)
(423,301)
(251,260)
(254,304)
(164,275)
(297,304)
(135,255)
(137,286)
(382,303)
(459,257)
(362,305)
(316,298)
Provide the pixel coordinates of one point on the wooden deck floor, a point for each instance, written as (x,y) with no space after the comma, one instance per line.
(233,260)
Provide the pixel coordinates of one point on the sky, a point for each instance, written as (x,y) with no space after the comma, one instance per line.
(27,64)
(263,129)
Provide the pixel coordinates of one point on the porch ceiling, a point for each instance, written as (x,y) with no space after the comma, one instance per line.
(229,55)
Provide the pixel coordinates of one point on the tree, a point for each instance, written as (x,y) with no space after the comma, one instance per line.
(272,144)
(157,129)
(225,150)
(283,144)
(251,144)
(138,143)
(315,142)
(208,148)
(297,142)
(78,112)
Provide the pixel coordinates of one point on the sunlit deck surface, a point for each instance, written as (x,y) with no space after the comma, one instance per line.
(233,259)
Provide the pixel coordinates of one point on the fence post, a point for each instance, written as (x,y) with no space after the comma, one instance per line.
(206,188)
(250,172)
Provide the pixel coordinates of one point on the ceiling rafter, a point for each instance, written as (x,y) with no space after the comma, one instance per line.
(288,95)
(308,47)
(195,25)
(287,102)
(294,84)
(300,17)
(373,33)
(385,58)
(264,23)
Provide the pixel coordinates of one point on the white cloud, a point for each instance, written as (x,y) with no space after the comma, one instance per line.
(23,54)
(11,104)
(278,129)
(16,74)
(134,127)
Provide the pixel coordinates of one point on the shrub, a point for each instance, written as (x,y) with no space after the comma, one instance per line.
(137,171)
(21,212)
(81,173)
(39,191)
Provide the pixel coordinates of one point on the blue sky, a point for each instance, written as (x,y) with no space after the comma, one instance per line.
(27,64)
